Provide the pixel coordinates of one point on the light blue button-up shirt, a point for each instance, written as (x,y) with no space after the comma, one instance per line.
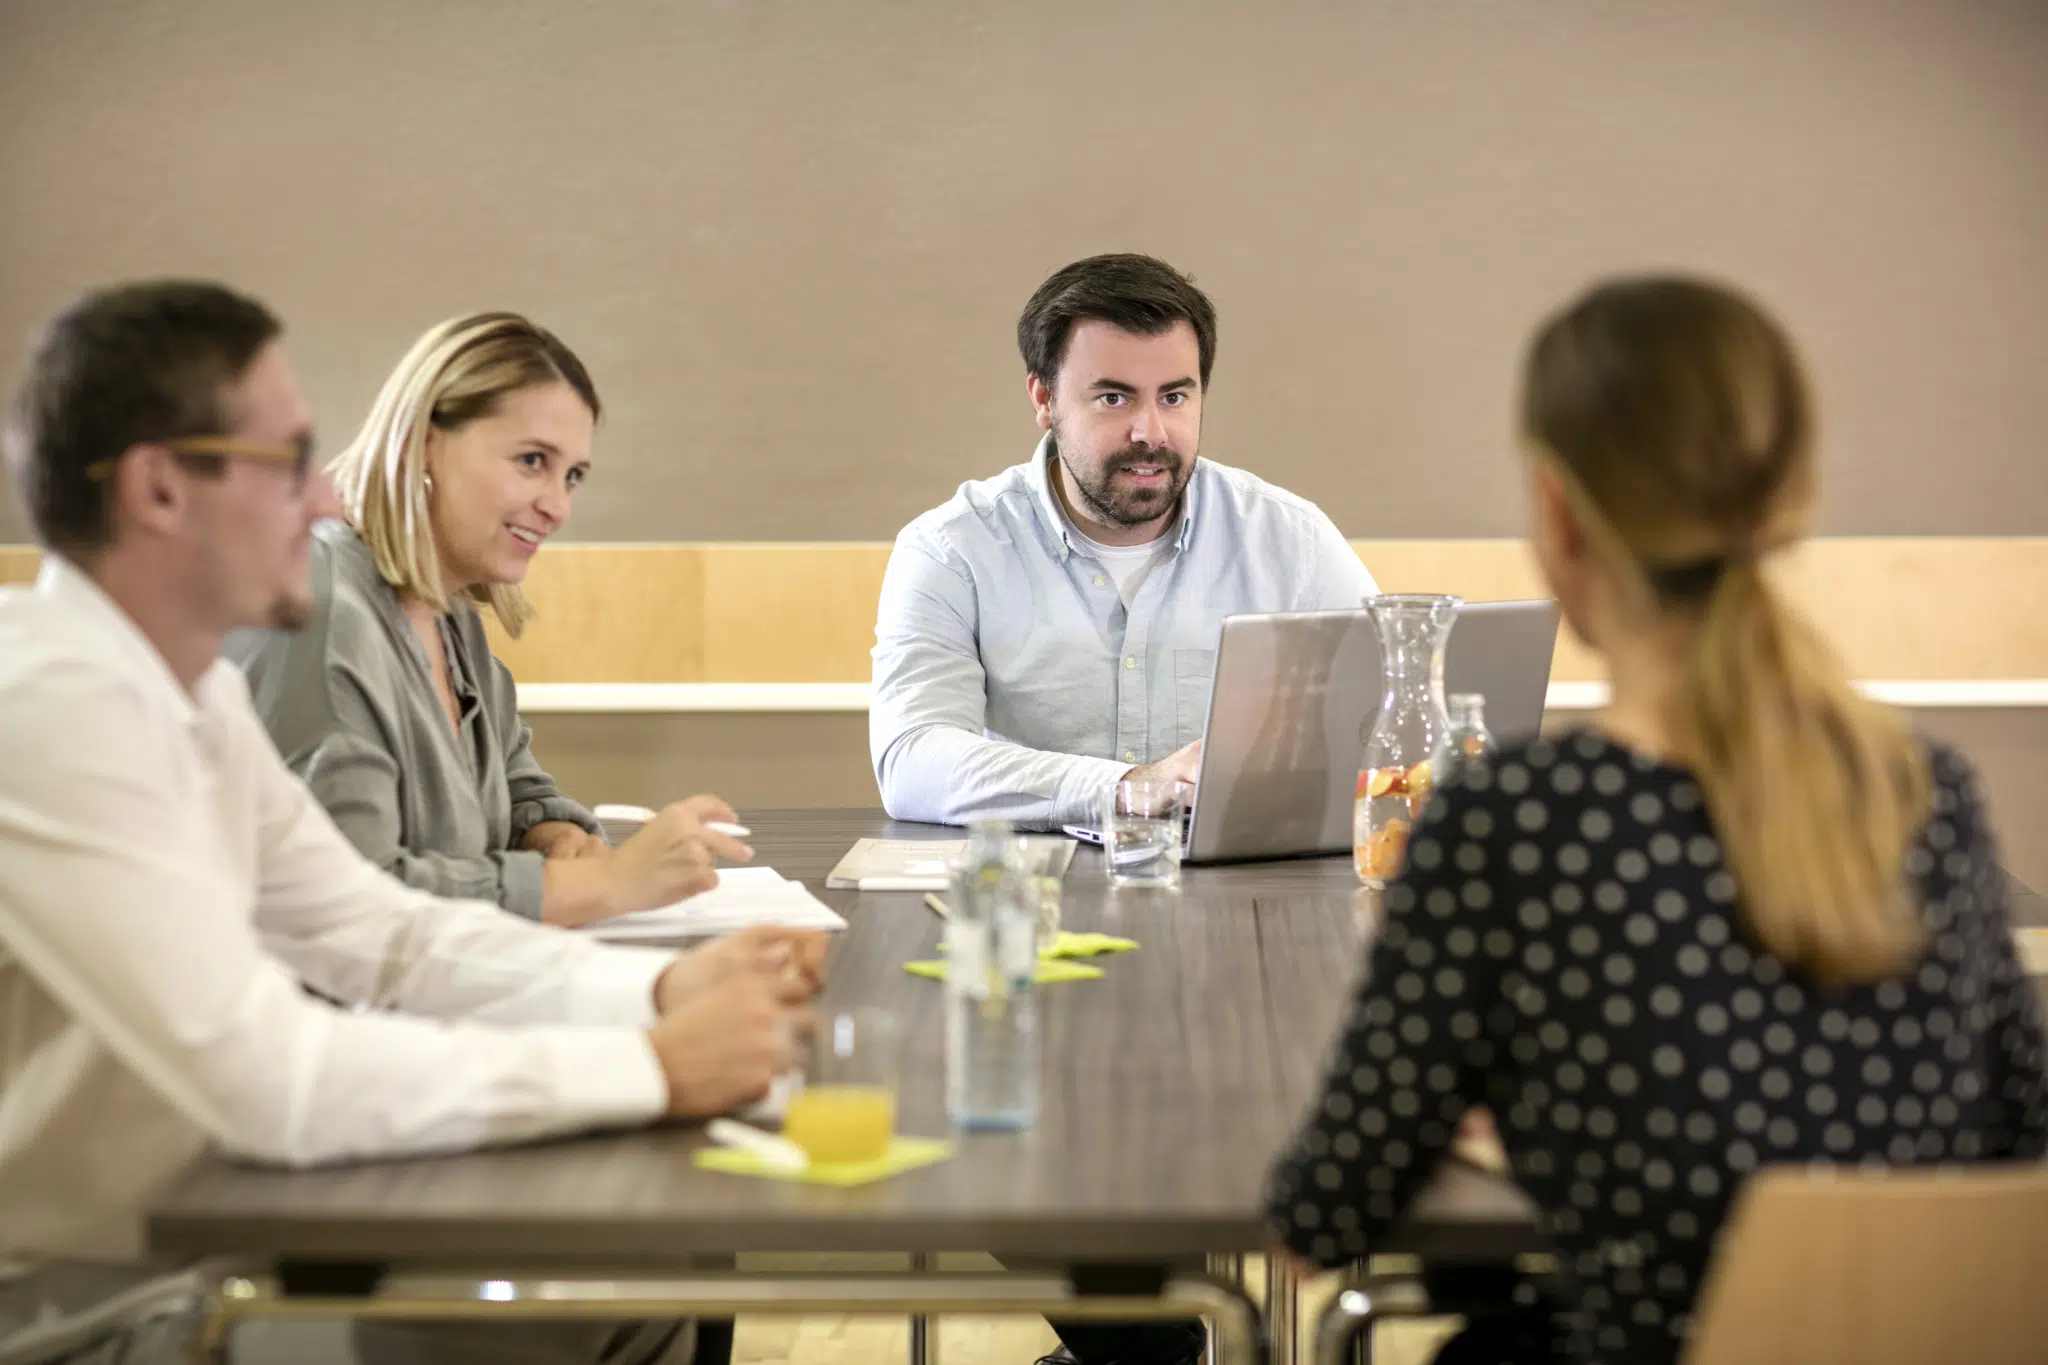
(1011,682)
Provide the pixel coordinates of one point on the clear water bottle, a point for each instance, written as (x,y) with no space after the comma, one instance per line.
(991,1010)
(1471,741)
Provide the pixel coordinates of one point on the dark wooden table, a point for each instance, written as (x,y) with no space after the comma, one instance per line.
(1167,1088)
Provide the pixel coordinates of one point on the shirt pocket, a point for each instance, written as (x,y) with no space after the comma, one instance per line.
(1192,669)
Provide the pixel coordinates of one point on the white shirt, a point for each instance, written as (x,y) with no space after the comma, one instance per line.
(166,885)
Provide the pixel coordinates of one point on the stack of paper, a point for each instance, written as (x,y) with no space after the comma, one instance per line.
(743,898)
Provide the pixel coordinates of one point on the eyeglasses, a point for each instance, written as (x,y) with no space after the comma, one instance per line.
(298,454)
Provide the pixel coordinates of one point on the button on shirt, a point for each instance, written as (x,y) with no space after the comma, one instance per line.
(166,885)
(1012,680)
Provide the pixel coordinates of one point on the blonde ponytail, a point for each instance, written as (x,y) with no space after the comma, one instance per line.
(1679,419)
(1815,790)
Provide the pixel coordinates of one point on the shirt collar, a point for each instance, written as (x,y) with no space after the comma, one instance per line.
(84,600)
(1054,517)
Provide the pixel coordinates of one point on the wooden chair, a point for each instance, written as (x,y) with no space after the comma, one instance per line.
(1881,1268)
(1909,1267)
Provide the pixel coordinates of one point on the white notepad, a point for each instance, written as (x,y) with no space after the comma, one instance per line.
(897,865)
(743,898)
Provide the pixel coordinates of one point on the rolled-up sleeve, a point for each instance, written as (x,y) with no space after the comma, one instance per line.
(926,723)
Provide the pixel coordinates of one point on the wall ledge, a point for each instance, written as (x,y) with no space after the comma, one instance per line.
(682,698)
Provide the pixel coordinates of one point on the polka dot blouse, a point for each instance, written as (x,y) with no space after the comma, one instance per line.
(1564,947)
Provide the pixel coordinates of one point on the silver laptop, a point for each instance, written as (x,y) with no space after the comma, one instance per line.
(1280,753)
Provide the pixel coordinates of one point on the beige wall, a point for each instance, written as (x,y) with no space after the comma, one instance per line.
(792,238)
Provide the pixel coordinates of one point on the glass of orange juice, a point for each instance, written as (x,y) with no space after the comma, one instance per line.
(846,1110)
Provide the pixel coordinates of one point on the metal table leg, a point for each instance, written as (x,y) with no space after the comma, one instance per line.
(1229,1268)
(1344,1332)
(1282,1287)
(924,1339)
(531,1292)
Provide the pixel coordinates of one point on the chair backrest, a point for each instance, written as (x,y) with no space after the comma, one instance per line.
(1910,1267)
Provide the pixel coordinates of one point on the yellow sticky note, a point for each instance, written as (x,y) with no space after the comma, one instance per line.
(904,1154)
(1088,945)
(1050,969)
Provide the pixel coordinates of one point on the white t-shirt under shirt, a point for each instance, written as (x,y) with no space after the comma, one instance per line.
(1129,565)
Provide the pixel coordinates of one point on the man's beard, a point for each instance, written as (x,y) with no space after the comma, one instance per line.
(1127,505)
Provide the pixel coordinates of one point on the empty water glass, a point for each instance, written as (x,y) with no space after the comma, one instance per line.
(1141,832)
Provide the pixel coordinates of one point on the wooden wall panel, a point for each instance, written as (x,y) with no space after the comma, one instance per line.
(790,613)
(1896,608)
(1929,608)
(617,613)
(1955,608)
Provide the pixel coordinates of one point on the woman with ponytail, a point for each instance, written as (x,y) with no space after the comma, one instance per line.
(1743,918)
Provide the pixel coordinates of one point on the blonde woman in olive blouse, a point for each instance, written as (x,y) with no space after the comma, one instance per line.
(390,703)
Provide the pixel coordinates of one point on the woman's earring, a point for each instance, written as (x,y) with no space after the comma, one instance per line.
(430,485)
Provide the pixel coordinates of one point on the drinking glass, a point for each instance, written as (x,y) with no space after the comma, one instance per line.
(1042,859)
(1141,832)
(846,1110)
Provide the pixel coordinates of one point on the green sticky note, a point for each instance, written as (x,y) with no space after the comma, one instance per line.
(904,1154)
(1088,945)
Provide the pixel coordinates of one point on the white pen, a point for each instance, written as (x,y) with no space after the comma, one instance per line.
(779,1152)
(902,884)
(728,829)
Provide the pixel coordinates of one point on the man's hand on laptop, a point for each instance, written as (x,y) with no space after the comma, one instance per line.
(1179,766)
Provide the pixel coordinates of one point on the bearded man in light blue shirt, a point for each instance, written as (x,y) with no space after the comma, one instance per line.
(1053,629)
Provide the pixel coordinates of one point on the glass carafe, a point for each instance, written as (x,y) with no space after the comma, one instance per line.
(1408,740)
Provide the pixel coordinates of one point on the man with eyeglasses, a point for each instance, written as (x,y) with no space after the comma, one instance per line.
(171,898)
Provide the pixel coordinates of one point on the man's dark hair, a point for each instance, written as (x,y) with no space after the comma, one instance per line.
(1140,294)
(137,362)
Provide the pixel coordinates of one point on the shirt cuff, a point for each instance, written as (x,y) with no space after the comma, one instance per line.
(522,885)
(527,814)
(606,1077)
(1085,788)
(615,985)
